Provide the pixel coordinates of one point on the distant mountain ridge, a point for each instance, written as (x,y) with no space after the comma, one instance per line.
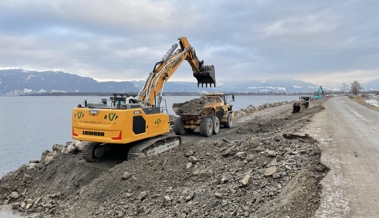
(272,86)
(372,85)
(21,82)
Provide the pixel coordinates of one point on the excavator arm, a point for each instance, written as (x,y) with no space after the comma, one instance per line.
(164,69)
(320,91)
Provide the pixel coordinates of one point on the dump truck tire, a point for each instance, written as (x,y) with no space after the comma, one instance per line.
(216,125)
(206,127)
(179,127)
(229,121)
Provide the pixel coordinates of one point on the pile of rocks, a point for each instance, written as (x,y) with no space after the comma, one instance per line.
(216,179)
(251,108)
(38,205)
(37,186)
(238,174)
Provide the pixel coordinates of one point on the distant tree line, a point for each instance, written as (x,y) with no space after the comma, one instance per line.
(355,88)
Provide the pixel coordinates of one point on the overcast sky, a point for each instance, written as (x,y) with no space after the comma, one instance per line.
(323,41)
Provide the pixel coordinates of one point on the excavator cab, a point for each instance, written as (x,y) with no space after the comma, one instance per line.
(206,76)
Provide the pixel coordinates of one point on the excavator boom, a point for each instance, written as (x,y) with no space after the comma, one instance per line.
(164,69)
(320,93)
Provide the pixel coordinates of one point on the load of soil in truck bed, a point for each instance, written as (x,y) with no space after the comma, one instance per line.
(192,107)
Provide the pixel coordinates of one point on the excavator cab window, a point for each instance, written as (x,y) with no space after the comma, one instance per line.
(118,102)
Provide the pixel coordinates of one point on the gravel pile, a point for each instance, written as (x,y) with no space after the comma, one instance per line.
(260,169)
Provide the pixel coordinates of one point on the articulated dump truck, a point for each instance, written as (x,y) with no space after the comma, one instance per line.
(301,105)
(205,114)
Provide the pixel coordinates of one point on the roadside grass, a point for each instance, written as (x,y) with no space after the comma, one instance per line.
(361,100)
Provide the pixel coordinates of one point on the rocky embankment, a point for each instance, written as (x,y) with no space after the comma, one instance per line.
(263,168)
(251,108)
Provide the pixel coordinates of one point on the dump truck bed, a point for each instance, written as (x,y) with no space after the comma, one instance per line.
(196,106)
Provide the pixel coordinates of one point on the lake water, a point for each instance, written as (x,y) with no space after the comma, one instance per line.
(31,124)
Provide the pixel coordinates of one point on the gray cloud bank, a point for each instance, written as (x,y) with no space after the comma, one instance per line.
(317,41)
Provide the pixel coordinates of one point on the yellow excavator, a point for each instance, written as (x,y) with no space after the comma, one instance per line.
(137,122)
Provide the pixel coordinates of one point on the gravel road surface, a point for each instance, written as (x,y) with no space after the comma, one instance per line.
(349,138)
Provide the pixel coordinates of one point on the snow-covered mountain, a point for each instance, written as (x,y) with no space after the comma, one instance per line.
(272,86)
(18,81)
(372,85)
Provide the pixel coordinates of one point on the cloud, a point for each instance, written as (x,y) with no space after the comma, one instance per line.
(302,26)
(261,39)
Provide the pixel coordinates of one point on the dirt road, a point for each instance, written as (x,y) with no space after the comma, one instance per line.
(349,136)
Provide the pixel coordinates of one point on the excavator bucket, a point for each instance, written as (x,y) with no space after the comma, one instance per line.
(206,77)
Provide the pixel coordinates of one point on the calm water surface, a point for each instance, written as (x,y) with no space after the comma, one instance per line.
(30,125)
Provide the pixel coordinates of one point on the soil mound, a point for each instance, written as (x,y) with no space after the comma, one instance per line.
(263,168)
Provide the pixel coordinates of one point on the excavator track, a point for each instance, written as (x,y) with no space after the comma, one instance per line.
(153,146)
(93,151)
